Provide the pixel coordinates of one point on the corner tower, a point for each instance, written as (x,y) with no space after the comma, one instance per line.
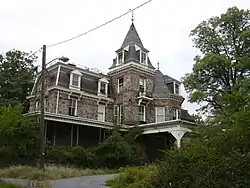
(132,78)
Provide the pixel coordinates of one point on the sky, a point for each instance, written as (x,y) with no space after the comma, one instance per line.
(163,26)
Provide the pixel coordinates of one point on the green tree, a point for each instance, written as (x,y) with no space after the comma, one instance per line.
(16,76)
(225,61)
(19,136)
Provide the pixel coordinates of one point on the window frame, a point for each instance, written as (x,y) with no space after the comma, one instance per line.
(120,57)
(71,106)
(142,60)
(176,114)
(157,114)
(144,84)
(118,113)
(103,113)
(120,85)
(142,113)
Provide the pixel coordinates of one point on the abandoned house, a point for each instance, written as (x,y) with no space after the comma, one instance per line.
(80,104)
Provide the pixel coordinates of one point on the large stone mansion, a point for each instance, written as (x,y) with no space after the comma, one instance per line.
(80,104)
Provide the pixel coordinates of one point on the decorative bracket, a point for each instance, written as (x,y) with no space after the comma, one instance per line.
(99,99)
(69,94)
(79,98)
(139,102)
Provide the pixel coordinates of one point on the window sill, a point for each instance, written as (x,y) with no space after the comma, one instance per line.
(74,87)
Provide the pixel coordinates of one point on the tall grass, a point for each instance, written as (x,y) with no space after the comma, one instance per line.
(49,173)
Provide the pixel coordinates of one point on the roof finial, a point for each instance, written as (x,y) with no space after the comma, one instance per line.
(132,19)
(158,65)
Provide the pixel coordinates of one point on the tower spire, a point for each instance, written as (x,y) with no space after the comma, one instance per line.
(158,65)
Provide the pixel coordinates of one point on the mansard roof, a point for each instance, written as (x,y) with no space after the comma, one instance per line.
(160,88)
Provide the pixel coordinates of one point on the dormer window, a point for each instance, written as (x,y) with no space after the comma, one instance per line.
(75,80)
(143,58)
(176,88)
(103,86)
(120,57)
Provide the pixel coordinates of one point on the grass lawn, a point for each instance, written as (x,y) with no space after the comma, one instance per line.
(8,185)
(49,173)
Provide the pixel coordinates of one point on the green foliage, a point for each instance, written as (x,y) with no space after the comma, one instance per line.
(18,136)
(8,185)
(48,173)
(219,156)
(16,76)
(225,46)
(115,151)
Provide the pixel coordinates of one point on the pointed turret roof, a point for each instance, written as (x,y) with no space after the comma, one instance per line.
(132,37)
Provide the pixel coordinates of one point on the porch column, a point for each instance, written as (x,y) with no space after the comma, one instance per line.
(54,139)
(71,135)
(178,135)
(77,135)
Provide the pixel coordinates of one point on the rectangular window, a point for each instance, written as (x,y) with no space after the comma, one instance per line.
(142,113)
(142,84)
(143,58)
(103,88)
(120,57)
(120,85)
(75,80)
(73,107)
(37,106)
(159,114)
(177,89)
(101,112)
(175,113)
(118,113)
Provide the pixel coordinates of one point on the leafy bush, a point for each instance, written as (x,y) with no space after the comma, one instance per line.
(116,151)
(19,137)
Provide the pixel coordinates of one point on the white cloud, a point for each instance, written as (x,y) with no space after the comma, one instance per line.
(163,26)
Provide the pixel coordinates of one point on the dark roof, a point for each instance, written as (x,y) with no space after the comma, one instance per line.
(169,79)
(160,89)
(132,37)
(186,116)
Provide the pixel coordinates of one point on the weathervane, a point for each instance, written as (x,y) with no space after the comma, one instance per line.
(158,65)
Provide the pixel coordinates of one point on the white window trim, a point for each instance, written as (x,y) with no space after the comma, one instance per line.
(156,114)
(37,105)
(103,81)
(175,88)
(117,58)
(79,74)
(176,111)
(118,85)
(118,115)
(144,112)
(144,83)
(104,113)
(75,107)
(141,57)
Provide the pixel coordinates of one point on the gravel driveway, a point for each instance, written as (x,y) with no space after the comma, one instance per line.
(82,182)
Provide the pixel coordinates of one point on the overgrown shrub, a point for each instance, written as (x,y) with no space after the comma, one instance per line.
(116,151)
